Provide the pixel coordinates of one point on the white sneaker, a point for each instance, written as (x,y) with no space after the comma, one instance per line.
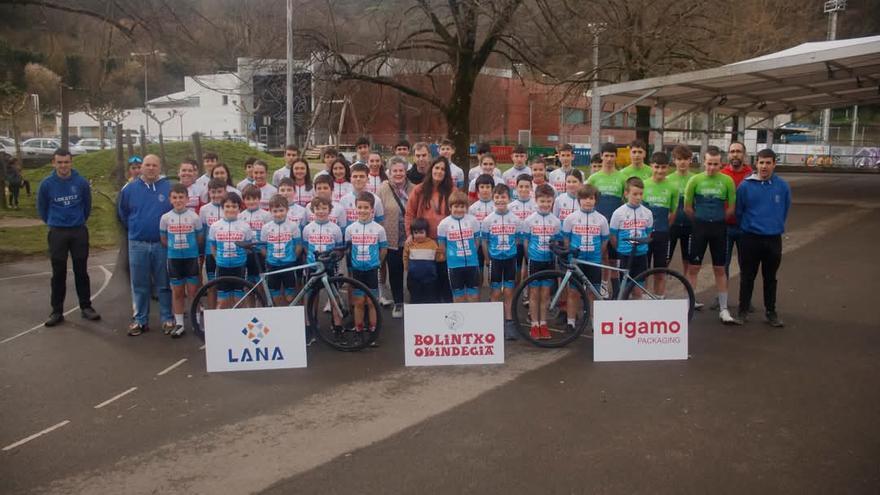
(727,318)
(397,312)
(385,302)
(327,307)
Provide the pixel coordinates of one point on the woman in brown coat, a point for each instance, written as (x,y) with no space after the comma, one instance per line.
(394,194)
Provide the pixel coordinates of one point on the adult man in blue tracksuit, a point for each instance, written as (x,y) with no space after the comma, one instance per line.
(64,202)
(762,204)
(140,206)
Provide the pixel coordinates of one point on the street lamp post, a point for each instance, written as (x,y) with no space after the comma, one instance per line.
(595,102)
(146,86)
(831,7)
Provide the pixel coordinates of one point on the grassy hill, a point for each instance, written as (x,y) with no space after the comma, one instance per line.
(97,167)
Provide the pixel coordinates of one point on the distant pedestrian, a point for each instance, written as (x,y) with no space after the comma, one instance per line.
(64,201)
(140,206)
(14,182)
(762,204)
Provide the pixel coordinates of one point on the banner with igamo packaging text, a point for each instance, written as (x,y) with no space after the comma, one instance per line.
(453,334)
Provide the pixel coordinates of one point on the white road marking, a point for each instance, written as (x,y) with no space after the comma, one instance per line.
(37,274)
(115,397)
(107,275)
(35,435)
(175,365)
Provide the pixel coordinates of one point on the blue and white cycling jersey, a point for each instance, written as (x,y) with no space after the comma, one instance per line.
(460,236)
(298,215)
(564,205)
(501,231)
(266,193)
(337,216)
(223,236)
(457,175)
(320,237)
(256,219)
(481,209)
(366,241)
(181,230)
(477,171)
(282,239)
(210,214)
(523,209)
(349,204)
(538,230)
(586,231)
(631,223)
(509,176)
(194,193)
(340,190)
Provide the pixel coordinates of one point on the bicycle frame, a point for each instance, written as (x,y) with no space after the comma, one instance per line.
(323,278)
(572,269)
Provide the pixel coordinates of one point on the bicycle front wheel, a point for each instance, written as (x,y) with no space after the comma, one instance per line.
(539,297)
(206,298)
(336,324)
(661,283)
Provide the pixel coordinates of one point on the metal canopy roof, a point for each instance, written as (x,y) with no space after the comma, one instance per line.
(804,78)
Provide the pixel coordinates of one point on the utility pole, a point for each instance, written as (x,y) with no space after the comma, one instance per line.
(831,7)
(145,55)
(289,137)
(596,104)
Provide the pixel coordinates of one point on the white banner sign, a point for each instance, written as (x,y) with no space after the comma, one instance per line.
(255,339)
(449,334)
(640,330)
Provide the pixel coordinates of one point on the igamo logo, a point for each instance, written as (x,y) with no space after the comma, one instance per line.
(632,328)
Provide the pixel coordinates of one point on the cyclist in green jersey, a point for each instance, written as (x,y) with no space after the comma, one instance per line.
(661,198)
(610,184)
(680,229)
(637,166)
(709,198)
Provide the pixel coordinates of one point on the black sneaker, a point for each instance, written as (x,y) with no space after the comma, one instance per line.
(90,314)
(54,319)
(742,316)
(569,328)
(177,332)
(773,319)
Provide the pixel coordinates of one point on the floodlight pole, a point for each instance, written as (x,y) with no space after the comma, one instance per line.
(289,106)
(831,7)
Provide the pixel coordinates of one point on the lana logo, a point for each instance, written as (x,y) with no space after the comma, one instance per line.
(632,328)
(255,330)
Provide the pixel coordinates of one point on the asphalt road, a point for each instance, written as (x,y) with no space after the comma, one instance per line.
(753,409)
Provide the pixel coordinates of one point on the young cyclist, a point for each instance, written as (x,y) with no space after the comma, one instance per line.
(377,173)
(362,150)
(295,213)
(709,198)
(610,184)
(221,172)
(457,236)
(255,218)
(420,257)
(249,173)
(447,149)
(519,157)
(303,190)
(321,235)
(329,155)
(595,163)
(523,206)
(260,171)
(558,176)
(661,197)
(482,150)
(632,221)
(499,234)
(341,174)
(282,250)
(180,231)
(637,167)
(367,243)
(538,231)
(231,258)
(483,206)
(586,233)
(324,189)
(539,172)
(209,161)
(209,214)
(291,156)
(681,229)
(359,173)
(487,167)
(187,175)
(567,202)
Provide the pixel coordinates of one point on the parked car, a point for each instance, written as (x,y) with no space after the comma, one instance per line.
(42,148)
(7,145)
(250,142)
(94,144)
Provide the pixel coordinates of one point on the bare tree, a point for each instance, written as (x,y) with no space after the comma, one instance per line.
(433,51)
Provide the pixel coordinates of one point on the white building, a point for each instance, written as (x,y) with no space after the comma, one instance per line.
(209,104)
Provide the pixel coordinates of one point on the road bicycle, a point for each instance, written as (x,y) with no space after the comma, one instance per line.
(652,284)
(322,289)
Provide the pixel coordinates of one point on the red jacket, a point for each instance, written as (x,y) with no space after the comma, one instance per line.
(737,177)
